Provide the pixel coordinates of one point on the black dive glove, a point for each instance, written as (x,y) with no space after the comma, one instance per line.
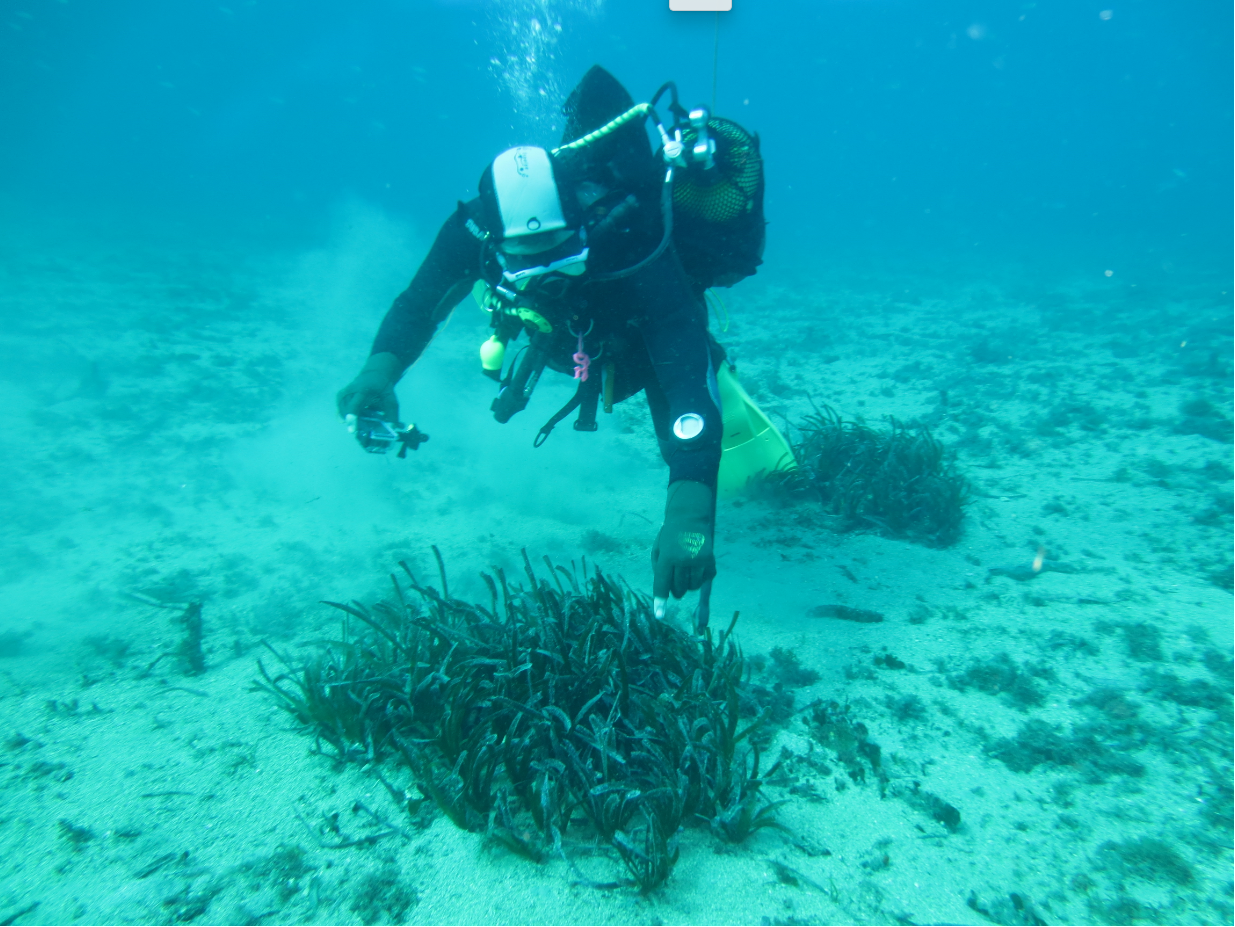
(682,557)
(373,390)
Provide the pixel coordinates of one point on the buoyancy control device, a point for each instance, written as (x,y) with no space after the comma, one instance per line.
(711,204)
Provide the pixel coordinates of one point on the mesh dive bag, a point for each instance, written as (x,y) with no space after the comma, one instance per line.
(718,224)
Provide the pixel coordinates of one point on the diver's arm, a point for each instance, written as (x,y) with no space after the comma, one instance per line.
(674,328)
(444,277)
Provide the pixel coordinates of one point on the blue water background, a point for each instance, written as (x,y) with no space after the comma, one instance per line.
(205,208)
(895,131)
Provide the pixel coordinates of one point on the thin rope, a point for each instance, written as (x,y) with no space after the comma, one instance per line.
(715,58)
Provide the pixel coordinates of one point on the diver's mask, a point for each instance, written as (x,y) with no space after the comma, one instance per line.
(563,251)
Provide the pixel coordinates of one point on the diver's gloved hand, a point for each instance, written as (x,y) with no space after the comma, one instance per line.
(373,389)
(682,557)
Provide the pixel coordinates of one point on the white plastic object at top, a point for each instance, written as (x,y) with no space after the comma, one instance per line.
(701,6)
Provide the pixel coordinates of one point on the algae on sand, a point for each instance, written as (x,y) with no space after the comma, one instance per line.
(562,710)
(899,482)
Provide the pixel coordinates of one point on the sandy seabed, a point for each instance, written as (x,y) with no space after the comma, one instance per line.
(169,436)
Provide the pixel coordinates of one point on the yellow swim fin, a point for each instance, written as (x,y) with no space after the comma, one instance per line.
(751,444)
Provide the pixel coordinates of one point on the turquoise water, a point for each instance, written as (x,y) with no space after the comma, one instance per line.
(1007,222)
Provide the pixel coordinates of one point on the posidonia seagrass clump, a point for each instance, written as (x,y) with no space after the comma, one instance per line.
(899,482)
(562,714)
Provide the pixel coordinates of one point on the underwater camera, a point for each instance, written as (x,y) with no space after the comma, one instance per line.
(377,435)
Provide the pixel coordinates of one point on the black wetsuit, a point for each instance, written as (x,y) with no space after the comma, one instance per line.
(651,325)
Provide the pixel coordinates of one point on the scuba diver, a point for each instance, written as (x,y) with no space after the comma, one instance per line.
(600,251)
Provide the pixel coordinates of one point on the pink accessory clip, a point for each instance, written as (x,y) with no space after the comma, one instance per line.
(582,362)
